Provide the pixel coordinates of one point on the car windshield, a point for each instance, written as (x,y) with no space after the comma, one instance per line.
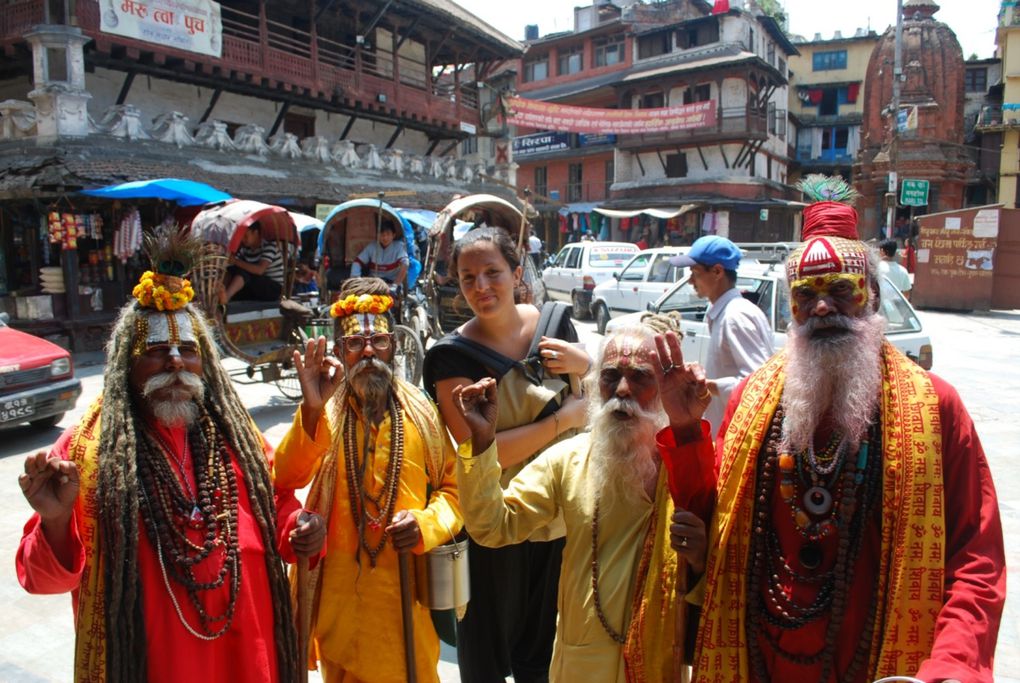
(609,257)
(899,316)
(692,307)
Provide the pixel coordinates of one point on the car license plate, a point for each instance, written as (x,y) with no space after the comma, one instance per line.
(17,409)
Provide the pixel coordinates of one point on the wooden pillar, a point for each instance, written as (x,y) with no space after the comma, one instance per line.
(264,37)
(456,81)
(357,52)
(313,51)
(394,50)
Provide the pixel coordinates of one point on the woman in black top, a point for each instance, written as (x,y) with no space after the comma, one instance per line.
(511,619)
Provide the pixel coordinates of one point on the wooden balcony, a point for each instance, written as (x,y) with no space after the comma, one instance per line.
(266,58)
(734,123)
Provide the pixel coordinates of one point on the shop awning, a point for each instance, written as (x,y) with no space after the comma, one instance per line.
(184,192)
(654,213)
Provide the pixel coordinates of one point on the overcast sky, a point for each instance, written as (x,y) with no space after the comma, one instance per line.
(972,20)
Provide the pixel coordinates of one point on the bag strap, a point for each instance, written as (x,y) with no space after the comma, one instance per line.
(550,322)
(493,360)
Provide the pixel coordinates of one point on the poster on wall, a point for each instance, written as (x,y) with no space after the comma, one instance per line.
(190,25)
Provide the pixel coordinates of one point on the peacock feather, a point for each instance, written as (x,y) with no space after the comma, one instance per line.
(822,188)
(172,250)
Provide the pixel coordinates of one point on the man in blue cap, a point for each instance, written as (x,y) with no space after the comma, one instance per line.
(740,335)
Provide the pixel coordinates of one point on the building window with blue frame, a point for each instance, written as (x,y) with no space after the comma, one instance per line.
(829,61)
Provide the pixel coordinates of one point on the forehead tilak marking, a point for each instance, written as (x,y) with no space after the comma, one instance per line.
(628,351)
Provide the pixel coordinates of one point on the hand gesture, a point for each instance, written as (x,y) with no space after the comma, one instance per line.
(404,531)
(683,389)
(319,374)
(477,405)
(309,535)
(572,414)
(688,537)
(51,486)
(563,358)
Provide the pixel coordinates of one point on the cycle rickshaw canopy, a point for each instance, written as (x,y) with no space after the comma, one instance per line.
(358,221)
(225,224)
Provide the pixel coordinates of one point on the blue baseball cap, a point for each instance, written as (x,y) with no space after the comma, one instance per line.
(708,251)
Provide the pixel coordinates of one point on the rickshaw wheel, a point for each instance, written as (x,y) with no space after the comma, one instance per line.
(288,384)
(409,356)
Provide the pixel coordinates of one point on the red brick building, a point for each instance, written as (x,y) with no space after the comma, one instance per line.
(728,177)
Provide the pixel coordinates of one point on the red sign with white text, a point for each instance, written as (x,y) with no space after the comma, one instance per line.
(565,118)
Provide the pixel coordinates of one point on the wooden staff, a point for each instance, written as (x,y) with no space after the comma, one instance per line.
(680,672)
(304,618)
(406,616)
(525,205)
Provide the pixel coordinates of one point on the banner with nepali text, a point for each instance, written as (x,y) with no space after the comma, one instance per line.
(565,118)
(191,25)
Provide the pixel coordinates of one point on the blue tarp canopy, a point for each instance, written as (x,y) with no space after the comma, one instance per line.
(374,205)
(184,192)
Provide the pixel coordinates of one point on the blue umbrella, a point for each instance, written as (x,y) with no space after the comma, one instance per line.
(184,192)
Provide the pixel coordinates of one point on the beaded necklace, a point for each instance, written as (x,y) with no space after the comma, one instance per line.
(360,498)
(859,483)
(620,638)
(170,507)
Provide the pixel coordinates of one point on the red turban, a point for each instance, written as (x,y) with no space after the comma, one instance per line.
(832,219)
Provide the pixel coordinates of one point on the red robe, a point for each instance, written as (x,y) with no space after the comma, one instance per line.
(246,652)
(975,582)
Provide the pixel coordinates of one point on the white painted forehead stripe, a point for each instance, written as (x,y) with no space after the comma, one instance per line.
(159,328)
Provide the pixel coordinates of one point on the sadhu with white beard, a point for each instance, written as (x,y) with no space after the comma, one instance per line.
(157,510)
(856,532)
(617,598)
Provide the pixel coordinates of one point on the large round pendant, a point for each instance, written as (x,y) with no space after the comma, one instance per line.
(817,501)
(810,555)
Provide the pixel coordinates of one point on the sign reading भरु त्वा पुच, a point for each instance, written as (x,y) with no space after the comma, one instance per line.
(191,25)
(914,192)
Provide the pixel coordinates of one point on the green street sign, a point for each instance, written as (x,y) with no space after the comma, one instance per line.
(914,192)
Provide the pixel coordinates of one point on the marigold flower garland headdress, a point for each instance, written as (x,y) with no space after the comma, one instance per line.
(172,254)
(362,313)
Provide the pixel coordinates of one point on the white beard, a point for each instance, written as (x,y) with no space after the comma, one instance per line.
(839,377)
(623,450)
(181,407)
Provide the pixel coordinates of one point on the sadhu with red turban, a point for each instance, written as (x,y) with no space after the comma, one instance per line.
(856,533)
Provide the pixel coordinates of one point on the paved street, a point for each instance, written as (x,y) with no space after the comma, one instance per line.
(978,353)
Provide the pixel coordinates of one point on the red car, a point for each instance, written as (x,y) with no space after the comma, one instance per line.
(37,383)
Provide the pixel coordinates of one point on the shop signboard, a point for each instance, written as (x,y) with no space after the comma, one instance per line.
(539,143)
(194,26)
(914,192)
(595,139)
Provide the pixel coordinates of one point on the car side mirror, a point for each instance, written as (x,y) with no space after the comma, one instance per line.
(616,276)
(650,306)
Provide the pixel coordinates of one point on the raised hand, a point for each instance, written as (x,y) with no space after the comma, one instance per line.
(683,389)
(477,405)
(51,487)
(319,374)
(309,535)
(404,531)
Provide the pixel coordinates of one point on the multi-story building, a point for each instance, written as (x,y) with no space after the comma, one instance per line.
(827,101)
(982,85)
(729,176)
(292,103)
(1001,120)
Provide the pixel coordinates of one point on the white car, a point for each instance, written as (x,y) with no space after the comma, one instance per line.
(579,267)
(644,279)
(765,285)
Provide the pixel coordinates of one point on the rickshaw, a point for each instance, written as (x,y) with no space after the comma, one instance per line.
(262,334)
(454,221)
(347,229)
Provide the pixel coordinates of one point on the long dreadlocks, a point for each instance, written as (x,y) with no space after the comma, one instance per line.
(118,497)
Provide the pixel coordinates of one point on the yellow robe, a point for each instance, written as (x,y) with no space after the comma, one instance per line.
(557,482)
(358,624)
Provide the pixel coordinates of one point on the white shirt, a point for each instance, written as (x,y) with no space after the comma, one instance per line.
(896,273)
(534,244)
(740,340)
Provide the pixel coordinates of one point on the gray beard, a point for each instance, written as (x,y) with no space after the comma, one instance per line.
(181,408)
(839,377)
(622,452)
(371,381)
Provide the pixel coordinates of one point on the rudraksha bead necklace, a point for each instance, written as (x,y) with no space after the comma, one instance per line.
(170,507)
(620,638)
(360,498)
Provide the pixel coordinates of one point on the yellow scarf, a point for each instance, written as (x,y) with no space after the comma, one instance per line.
(649,647)
(912,558)
(90,622)
(422,413)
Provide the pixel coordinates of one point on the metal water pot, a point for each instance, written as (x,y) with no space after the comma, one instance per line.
(441,576)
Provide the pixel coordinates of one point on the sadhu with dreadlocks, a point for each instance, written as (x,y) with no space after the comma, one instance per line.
(382,472)
(157,510)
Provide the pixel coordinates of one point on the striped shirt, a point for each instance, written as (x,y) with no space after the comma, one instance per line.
(269,251)
(379,261)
